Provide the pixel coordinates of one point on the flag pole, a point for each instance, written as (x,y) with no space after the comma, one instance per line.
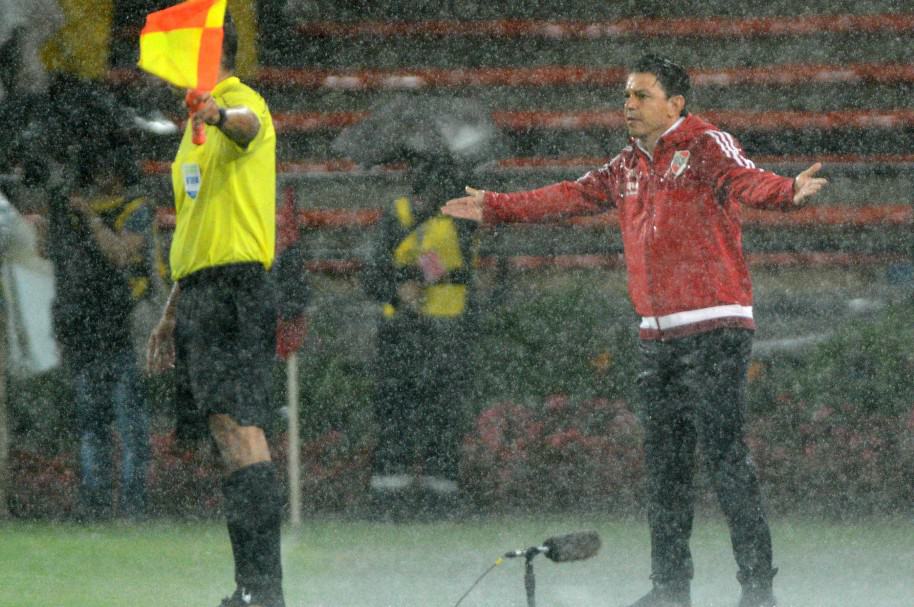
(4,421)
(194,103)
(293,450)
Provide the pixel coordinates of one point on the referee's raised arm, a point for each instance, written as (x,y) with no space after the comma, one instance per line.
(239,124)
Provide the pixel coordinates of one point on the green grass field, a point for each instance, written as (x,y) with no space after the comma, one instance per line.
(343,563)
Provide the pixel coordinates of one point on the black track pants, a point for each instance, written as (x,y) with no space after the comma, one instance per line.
(692,392)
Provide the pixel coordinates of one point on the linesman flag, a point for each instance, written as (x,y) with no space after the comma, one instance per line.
(183,44)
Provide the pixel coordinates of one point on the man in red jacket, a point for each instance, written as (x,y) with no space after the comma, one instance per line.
(678,188)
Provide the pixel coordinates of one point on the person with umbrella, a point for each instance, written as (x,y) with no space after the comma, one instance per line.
(420,273)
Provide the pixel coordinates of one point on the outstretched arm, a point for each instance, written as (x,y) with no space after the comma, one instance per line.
(592,193)
(737,178)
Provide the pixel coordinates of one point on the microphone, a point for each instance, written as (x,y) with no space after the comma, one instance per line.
(572,547)
(563,548)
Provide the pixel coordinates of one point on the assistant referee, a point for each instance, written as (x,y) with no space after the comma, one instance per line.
(218,325)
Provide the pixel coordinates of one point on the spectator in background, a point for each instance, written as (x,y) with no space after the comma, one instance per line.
(678,188)
(99,229)
(81,47)
(420,273)
(24,27)
(218,328)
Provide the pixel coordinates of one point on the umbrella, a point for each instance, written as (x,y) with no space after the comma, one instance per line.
(411,126)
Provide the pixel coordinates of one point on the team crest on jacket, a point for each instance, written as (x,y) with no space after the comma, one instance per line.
(679,163)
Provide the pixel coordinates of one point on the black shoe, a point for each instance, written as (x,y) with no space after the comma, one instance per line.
(243,598)
(757,590)
(757,595)
(751,598)
(666,594)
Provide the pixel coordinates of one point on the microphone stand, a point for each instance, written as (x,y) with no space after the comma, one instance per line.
(529,577)
(572,547)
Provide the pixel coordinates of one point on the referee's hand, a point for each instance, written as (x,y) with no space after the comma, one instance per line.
(160,349)
(205,111)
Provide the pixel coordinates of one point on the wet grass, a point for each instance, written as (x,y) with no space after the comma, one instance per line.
(360,563)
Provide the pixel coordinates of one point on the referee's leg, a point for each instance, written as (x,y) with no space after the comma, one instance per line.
(253,507)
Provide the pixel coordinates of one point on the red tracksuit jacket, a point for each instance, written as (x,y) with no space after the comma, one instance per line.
(680,218)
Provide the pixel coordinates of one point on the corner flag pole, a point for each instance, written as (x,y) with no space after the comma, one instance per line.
(294,465)
(4,421)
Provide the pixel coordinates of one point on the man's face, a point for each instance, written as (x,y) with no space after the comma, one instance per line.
(648,110)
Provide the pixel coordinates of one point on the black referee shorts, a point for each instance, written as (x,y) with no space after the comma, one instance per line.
(225,343)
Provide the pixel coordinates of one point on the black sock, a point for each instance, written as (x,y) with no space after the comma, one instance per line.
(253,508)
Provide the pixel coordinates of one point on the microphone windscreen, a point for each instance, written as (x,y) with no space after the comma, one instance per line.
(572,547)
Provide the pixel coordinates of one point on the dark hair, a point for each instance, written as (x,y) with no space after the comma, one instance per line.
(229,42)
(673,78)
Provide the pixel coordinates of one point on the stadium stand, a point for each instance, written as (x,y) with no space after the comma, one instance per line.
(830,81)
(550,81)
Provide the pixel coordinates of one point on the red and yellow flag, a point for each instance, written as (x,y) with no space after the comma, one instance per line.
(183,44)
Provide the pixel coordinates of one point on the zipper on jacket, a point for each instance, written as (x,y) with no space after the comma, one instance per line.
(652,230)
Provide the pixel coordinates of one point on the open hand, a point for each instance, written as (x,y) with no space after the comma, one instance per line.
(466,207)
(807,184)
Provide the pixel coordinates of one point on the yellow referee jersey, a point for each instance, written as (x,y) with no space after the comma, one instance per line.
(225,195)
